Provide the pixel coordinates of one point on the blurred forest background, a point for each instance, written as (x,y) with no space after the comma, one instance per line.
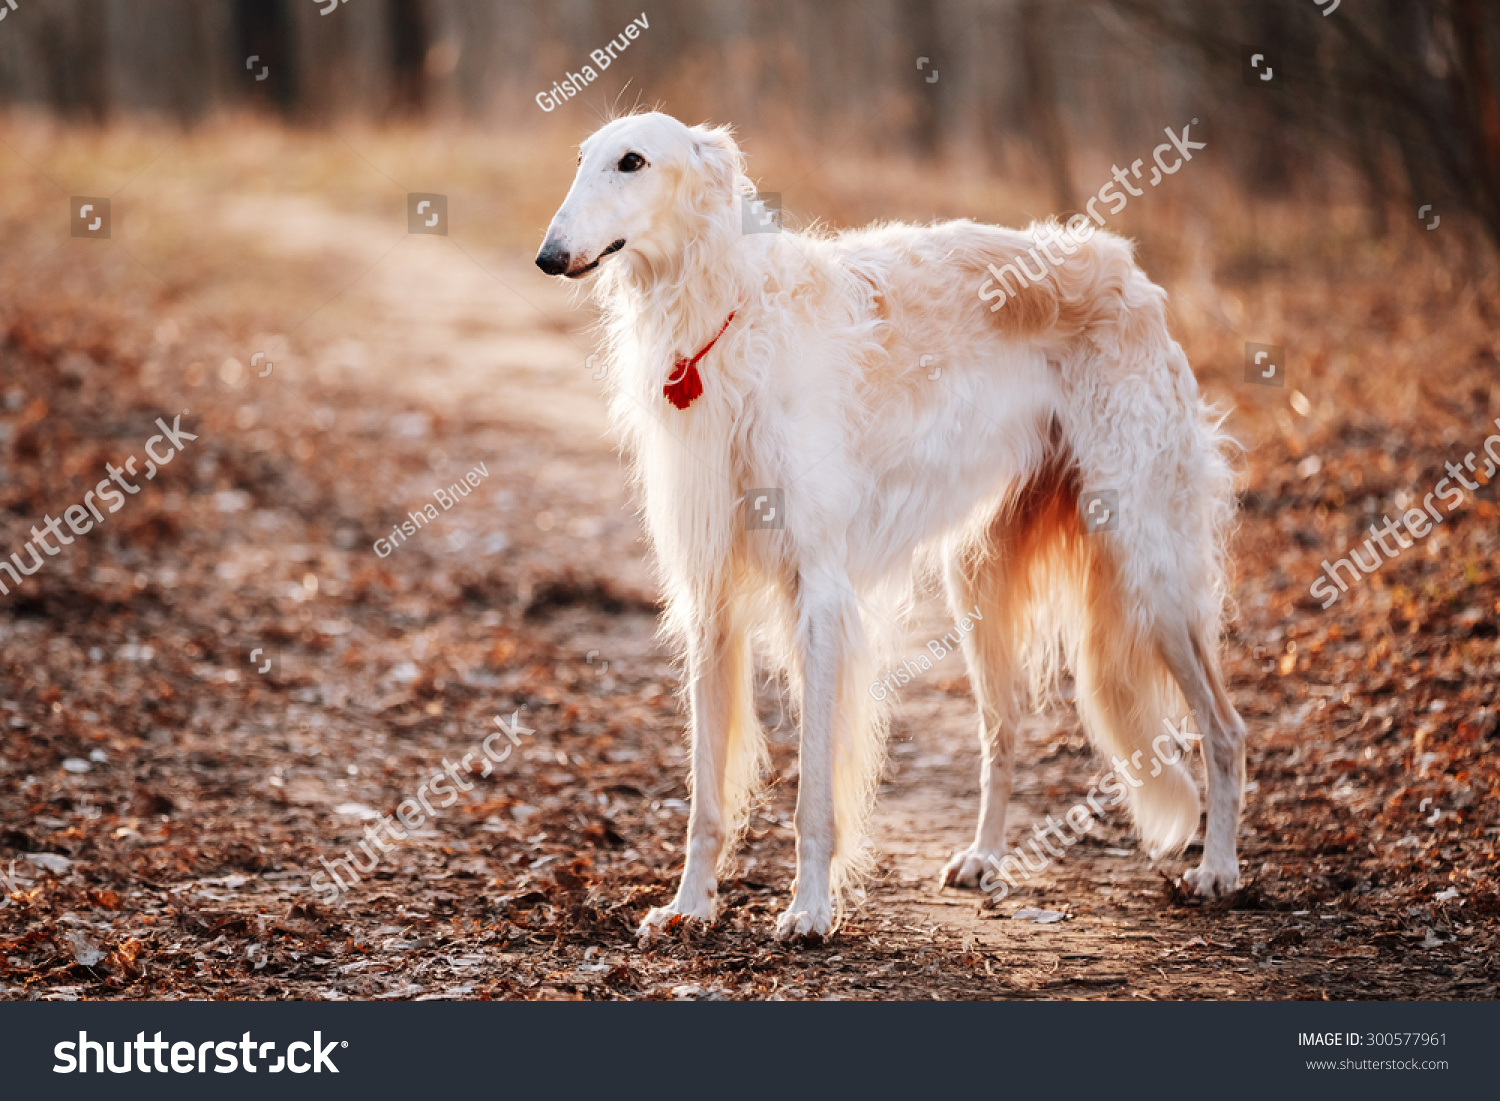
(1405,91)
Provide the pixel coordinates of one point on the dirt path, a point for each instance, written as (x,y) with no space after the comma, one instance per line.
(432,320)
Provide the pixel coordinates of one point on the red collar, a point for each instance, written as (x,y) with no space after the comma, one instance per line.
(684,385)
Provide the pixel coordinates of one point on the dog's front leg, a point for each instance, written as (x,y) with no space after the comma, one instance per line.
(715,667)
(826,615)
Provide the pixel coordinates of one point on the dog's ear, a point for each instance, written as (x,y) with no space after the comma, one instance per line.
(719,161)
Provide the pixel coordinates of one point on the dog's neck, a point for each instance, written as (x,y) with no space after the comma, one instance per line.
(688,295)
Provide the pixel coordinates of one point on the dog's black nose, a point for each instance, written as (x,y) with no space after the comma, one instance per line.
(552,259)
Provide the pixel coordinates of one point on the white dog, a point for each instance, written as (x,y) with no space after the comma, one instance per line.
(886,415)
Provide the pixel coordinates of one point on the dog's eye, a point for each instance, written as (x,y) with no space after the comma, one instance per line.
(631,162)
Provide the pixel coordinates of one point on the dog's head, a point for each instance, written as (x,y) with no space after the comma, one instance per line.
(646,186)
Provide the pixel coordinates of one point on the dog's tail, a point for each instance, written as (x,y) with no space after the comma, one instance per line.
(1131,708)
(1075,612)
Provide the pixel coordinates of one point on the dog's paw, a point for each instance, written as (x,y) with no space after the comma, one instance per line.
(669,919)
(804,921)
(968,868)
(1207,882)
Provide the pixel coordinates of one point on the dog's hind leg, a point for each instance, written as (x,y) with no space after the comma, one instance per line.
(1197,674)
(980,589)
(727,754)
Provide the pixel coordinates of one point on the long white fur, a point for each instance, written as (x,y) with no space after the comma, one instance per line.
(820,387)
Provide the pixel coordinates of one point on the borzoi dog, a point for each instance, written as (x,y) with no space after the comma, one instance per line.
(900,418)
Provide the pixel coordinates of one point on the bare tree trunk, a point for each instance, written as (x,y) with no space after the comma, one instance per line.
(919,26)
(72,41)
(1478,96)
(262,30)
(1044,121)
(410,37)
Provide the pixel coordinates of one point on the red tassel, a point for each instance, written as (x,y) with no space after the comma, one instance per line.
(688,384)
(685,385)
